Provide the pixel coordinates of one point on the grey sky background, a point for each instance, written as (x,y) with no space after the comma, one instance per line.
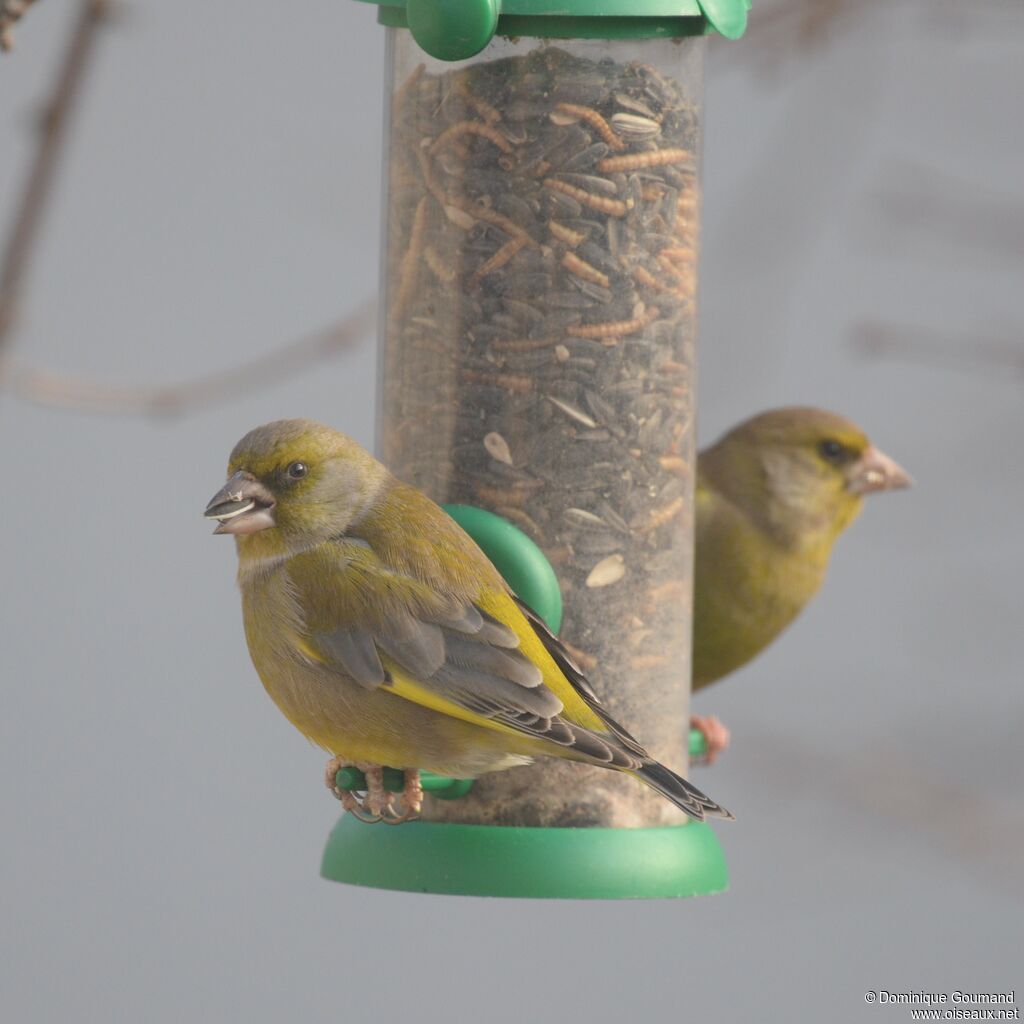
(163,824)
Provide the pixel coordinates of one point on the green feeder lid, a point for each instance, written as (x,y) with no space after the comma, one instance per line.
(458,29)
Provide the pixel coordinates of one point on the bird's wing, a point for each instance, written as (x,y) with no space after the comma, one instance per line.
(468,652)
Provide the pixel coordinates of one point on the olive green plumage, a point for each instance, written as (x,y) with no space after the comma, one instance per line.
(385,635)
(773,495)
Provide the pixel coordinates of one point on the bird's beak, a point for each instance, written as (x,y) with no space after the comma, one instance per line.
(875,471)
(243,505)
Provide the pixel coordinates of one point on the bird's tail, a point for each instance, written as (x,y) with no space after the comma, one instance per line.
(683,794)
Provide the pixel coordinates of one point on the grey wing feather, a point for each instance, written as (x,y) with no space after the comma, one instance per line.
(457,681)
(479,655)
(419,647)
(356,654)
(476,622)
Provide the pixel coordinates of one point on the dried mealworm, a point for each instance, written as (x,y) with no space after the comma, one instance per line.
(566,234)
(679,254)
(587,662)
(498,260)
(523,344)
(461,128)
(674,464)
(484,109)
(670,590)
(662,516)
(509,381)
(647,661)
(652,158)
(411,260)
(437,265)
(398,102)
(596,121)
(614,328)
(603,204)
(521,519)
(643,276)
(514,496)
(584,270)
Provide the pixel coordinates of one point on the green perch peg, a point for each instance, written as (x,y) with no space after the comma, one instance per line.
(350,778)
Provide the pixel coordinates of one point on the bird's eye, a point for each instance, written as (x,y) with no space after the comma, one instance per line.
(831,450)
(297,470)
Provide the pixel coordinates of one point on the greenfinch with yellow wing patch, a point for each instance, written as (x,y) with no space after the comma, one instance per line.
(384,634)
(773,495)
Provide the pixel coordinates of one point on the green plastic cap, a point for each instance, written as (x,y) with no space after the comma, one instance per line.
(459,29)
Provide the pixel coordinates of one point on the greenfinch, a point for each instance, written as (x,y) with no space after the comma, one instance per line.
(384,634)
(773,495)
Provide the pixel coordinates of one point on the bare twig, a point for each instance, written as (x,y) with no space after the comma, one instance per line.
(790,28)
(80,394)
(884,340)
(68,391)
(11,12)
(18,249)
(925,200)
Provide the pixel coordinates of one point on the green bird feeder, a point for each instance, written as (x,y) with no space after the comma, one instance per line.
(537,377)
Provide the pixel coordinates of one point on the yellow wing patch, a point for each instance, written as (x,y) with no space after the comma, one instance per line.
(403,685)
(504,609)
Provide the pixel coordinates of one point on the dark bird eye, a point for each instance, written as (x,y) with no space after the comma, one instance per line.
(297,470)
(831,450)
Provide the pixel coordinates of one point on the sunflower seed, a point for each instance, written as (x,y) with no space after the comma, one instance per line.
(608,571)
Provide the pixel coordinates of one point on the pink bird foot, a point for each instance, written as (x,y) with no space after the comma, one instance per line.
(716,736)
(377,804)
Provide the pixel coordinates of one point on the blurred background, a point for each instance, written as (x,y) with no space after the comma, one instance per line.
(216,200)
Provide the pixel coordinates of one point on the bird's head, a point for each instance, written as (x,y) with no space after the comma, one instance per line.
(801,472)
(293,483)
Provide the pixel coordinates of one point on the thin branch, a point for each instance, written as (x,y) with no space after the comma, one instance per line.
(81,394)
(925,200)
(791,28)
(782,30)
(69,391)
(876,339)
(17,252)
(11,12)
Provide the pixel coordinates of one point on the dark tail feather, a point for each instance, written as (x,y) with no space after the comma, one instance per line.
(683,794)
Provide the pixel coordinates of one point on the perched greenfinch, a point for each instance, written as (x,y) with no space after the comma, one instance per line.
(772,497)
(385,635)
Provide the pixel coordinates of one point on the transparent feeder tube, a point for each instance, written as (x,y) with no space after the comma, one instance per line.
(538,359)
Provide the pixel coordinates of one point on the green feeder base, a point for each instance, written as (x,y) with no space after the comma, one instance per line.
(537,863)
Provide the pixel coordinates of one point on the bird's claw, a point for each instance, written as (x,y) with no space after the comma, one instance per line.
(376,804)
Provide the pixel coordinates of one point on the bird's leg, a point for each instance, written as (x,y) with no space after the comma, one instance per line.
(412,793)
(378,804)
(716,736)
(412,799)
(377,801)
(350,801)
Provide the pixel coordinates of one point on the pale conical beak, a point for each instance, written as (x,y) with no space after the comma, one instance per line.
(243,505)
(875,471)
